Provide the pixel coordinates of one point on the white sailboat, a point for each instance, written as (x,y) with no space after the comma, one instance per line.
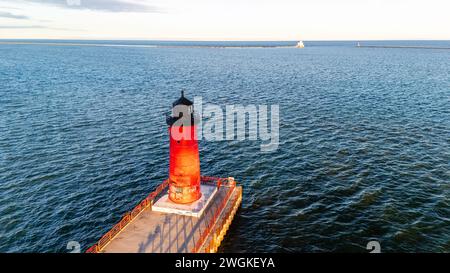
(300,45)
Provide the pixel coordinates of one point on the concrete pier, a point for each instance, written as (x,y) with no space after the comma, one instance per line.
(160,232)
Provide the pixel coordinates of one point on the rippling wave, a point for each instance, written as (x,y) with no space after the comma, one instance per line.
(364,143)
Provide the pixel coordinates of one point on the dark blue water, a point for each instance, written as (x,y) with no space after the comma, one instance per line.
(364,142)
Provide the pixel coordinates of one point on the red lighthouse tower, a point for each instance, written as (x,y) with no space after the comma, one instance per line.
(184,166)
(184,198)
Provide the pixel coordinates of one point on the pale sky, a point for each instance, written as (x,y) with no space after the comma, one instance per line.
(226,19)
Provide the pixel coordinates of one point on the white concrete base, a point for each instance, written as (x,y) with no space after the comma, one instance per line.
(195,209)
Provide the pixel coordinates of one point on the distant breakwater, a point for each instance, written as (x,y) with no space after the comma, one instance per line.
(394,46)
(143,46)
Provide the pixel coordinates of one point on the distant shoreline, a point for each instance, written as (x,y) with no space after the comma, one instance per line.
(72,44)
(211,44)
(140,46)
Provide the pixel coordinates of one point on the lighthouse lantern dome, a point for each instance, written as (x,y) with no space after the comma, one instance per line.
(176,114)
(182,101)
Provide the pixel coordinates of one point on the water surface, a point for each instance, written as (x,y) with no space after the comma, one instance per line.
(364,142)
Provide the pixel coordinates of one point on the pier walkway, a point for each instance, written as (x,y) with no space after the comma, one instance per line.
(156,232)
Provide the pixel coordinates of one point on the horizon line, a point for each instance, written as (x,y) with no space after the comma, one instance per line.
(217,40)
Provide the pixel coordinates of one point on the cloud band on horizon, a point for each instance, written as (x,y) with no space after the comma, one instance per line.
(100,5)
(10,15)
(21,27)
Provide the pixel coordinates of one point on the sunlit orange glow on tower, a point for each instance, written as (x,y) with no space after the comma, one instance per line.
(184,166)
